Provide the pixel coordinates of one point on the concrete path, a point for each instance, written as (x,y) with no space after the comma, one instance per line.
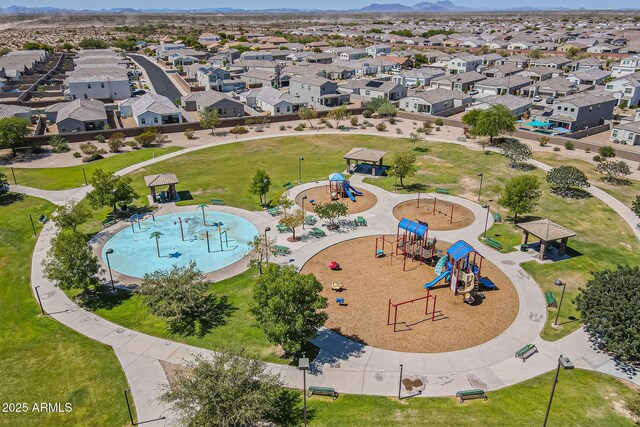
(56,197)
(343,364)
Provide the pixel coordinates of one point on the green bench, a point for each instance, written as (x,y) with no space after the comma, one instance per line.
(317,232)
(43,218)
(108,222)
(283,229)
(497,217)
(281,250)
(310,220)
(526,352)
(550,298)
(441,190)
(274,211)
(217,201)
(360,221)
(287,185)
(475,393)
(323,391)
(493,243)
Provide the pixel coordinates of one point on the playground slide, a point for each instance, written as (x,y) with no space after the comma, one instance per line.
(356,192)
(350,194)
(438,278)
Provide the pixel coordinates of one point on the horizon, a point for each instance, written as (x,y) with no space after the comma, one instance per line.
(308,4)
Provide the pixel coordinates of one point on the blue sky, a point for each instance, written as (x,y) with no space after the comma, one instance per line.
(324,4)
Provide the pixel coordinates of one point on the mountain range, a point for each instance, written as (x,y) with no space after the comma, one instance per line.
(435,7)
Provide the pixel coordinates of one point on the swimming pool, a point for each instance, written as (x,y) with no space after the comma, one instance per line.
(135,252)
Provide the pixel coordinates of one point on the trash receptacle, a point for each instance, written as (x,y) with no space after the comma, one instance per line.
(524,248)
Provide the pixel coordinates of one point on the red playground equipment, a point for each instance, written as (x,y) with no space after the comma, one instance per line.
(413,243)
(426,308)
(333,265)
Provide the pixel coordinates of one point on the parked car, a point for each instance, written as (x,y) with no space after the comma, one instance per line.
(139,92)
(473,92)
(550,100)
(537,98)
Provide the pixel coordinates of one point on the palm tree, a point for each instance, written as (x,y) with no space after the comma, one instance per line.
(157,235)
(202,206)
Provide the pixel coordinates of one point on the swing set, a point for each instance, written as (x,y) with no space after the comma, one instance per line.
(426,308)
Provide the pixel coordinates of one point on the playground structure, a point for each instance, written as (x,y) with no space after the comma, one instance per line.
(339,186)
(413,243)
(426,308)
(461,269)
(448,209)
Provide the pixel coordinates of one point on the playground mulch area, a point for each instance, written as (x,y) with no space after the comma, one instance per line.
(321,195)
(462,216)
(370,282)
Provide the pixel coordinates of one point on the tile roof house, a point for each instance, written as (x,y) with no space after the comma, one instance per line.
(211,99)
(80,115)
(582,111)
(151,110)
(98,83)
(434,101)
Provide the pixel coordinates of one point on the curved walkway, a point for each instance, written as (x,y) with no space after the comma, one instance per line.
(343,364)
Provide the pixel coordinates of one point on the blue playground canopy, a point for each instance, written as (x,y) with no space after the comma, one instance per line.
(413,227)
(459,250)
(538,124)
(336,177)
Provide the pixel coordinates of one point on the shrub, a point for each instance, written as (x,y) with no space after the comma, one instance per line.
(146,138)
(437,128)
(438,122)
(381,127)
(354,120)
(92,157)
(133,144)
(399,131)
(556,148)
(392,120)
(88,148)
(238,130)
(299,128)
(100,138)
(283,127)
(569,145)
(77,155)
(189,133)
(606,151)
(367,114)
(115,142)
(59,144)
(587,150)
(597,158)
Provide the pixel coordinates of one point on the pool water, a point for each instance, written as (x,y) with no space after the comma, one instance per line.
(135,254)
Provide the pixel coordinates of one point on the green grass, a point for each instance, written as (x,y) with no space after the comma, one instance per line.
(42,360)
(240,328)
(582,398)
(503,232)
(72,177)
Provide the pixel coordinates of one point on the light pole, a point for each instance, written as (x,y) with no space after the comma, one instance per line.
(303,365)
(565,363)
(400,381)
(266,242)
(300,159)
(303,212)
(265,182)
(114,201)
(559,282)
(395,178)
(109,252)
(486,221)
(481,175)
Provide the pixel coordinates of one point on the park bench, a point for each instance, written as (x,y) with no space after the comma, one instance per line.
(475,393)
(493,243)
(526,352)
(317,232)
(217,201)
(461,139)
(497,217)
(287,185)
(43,218)
(323,391)
(274,211)
(441,190)
(107,222)
(310,220)
(361,221)
(281,250)
(283,229)
(550,298)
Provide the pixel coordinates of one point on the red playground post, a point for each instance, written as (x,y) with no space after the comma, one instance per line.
(426,308)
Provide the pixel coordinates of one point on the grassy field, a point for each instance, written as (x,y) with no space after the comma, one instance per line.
(582,398)
(71,177)
(42,360)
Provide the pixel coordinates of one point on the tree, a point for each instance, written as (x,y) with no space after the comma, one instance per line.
(471,117)
(181,296)
(156,235)
(338,114)
(58,144)
(296,219)
(635,206)
(116,142)
(4,182)
(231,389)
(285,202)
(210,119)
(308,114)
(493,122)
(387,109)
(331,212)
(259,250)
(610,310)
(70,262)
(70,215)
(521,195)
(606,151)
(260,184)
(406,162)
(109,189)
(612,170)
(516,152)
(90,43)
(287,306)
(13,132)
(564,180)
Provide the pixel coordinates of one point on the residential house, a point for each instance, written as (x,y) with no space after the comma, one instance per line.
(434,101)
(274,101)
(350,55)
(252,55)
(151,109)
(80,115)
(460,82)
(369,89)
(163,49)
(463,63)
(538,73)
(255,78)
(556,87)
(98,83)
(503,85)
(317,91)
(500,70)
(626,133)
(591,77)
(587,64)
(417,77)
(625,89)
(516,104)
(209,99)
(17,111)
(15,65)
(582,111)
(378,49)
(317,46)
(627,65)
(557,62)
(206,38)
(521,61)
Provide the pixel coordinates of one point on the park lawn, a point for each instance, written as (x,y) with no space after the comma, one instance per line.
(504,233)
(129,310)
(71,177)
(582,398)
(42,360)
(625,193)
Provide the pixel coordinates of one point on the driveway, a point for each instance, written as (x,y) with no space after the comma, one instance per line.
(161,83)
